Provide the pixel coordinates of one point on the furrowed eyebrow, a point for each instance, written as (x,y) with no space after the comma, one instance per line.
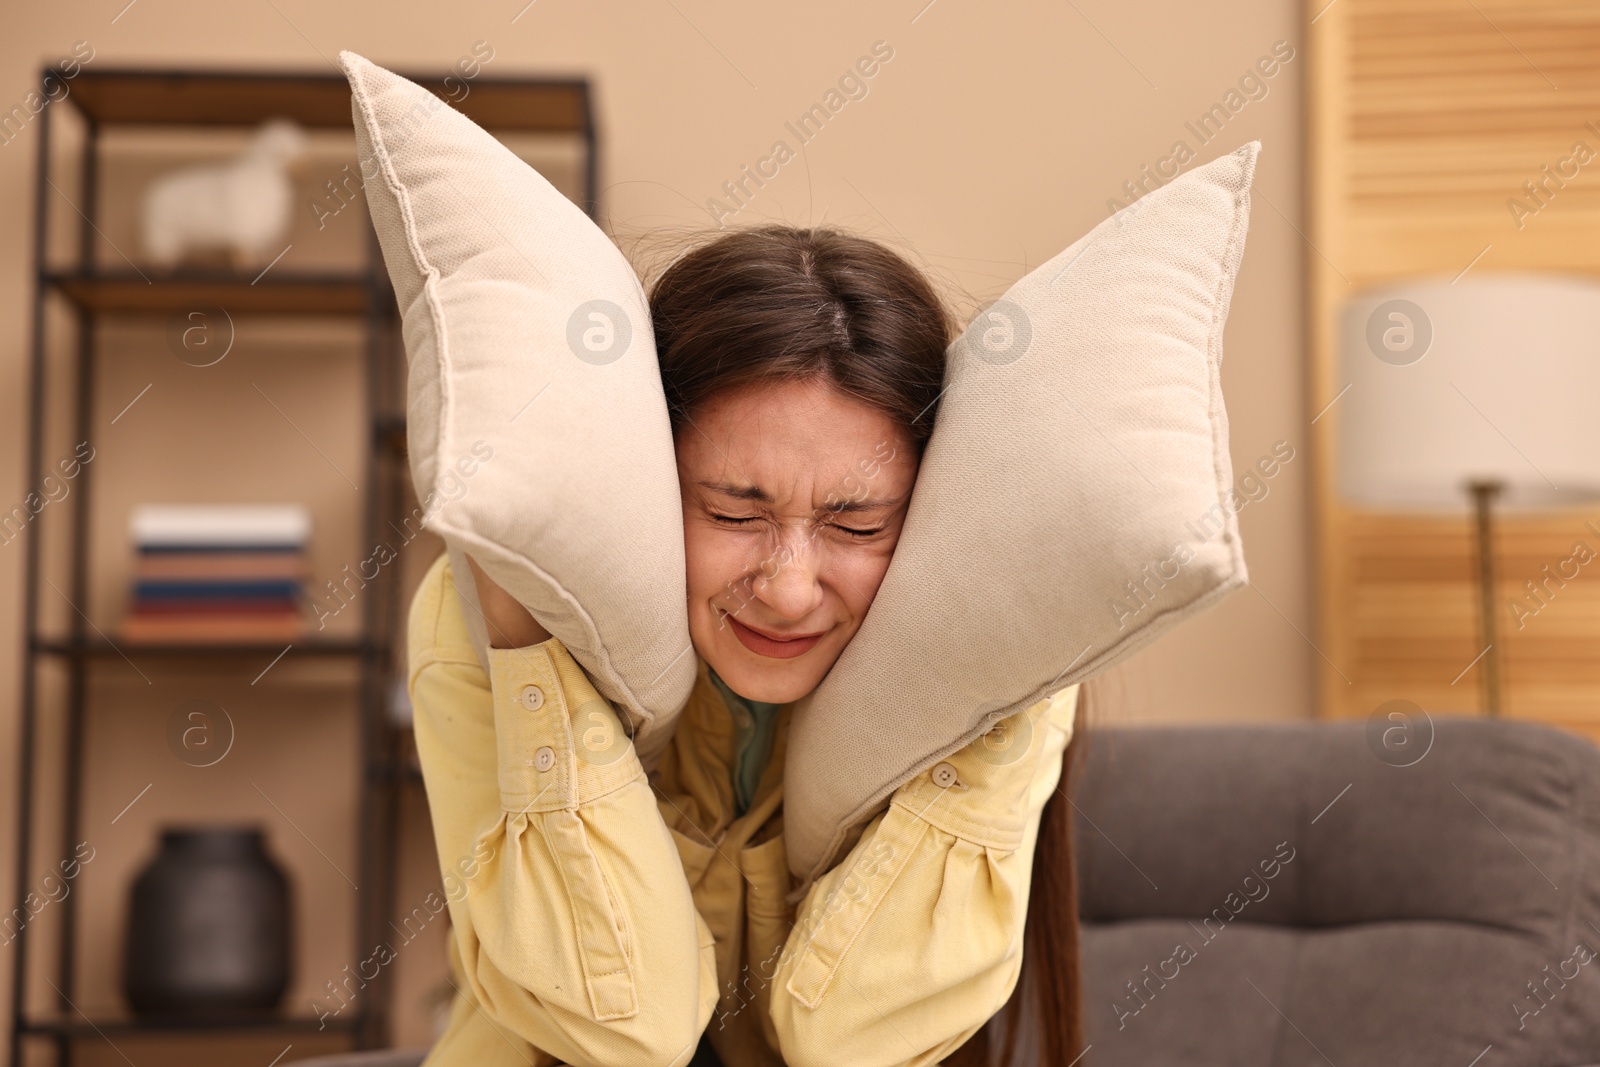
(845,507)
(738,492)
(760,496)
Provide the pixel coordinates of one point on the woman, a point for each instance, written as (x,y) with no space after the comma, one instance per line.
(605,917)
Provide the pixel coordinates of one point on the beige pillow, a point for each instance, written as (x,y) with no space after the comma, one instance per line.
(1073,503)
(537,426)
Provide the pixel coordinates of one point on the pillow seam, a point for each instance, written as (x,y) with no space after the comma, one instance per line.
(430,273)
(1214,343)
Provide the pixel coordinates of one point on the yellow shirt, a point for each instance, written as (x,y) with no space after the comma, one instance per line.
(602,917)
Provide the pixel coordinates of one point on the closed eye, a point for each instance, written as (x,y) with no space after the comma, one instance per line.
(736,520)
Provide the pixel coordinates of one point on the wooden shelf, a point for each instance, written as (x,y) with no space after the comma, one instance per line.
(131,96)
(80,1026)
(99,649)
(58,720)
(391,433)
(278,292)
(401,772)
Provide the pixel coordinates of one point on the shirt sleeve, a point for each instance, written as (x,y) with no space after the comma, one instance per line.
(573,925)
(910,944)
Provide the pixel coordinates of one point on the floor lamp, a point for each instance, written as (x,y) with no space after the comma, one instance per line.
(1472,394)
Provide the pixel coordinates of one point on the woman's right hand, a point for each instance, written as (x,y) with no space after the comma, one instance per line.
(510,624)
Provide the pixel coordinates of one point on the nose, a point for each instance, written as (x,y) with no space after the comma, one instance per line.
(788,579)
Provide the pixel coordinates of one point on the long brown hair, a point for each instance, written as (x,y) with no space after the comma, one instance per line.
(779,303)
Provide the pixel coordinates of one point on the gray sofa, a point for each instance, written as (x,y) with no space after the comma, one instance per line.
(1428,911)
(1342,900)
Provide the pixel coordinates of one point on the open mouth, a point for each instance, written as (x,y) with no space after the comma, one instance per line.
(762,645)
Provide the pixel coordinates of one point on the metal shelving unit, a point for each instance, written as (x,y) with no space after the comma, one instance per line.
(204,99)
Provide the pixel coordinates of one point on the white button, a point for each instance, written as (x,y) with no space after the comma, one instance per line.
(944,776)
(532,697)
(545,758)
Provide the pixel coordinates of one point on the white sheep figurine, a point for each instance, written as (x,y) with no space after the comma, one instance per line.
(241,207)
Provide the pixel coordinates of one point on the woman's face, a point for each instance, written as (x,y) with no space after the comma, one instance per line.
(793,499)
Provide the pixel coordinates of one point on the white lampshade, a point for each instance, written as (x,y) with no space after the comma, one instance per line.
(1494,376)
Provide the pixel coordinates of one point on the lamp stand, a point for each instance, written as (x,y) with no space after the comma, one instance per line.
(1483,494)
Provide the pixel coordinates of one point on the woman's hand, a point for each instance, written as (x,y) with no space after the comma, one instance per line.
(510,624)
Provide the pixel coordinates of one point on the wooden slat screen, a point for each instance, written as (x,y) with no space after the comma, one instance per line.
(1426,118)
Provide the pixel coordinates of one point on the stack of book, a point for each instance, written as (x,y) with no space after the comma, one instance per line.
(218,573)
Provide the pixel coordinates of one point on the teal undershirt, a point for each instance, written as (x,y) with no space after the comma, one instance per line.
(754,722)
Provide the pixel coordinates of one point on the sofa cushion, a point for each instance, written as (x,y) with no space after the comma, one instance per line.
(1280,893)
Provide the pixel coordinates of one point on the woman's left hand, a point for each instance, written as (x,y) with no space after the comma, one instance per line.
(510,624)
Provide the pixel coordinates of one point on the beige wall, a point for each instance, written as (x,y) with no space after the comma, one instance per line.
(992,139)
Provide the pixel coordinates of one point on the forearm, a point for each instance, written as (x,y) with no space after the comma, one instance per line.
(508,623)
(907,947)
(577,930)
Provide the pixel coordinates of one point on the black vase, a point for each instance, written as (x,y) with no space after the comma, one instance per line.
(208,927)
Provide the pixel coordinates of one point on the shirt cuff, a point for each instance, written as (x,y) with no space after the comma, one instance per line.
(560,742)
(984,792)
